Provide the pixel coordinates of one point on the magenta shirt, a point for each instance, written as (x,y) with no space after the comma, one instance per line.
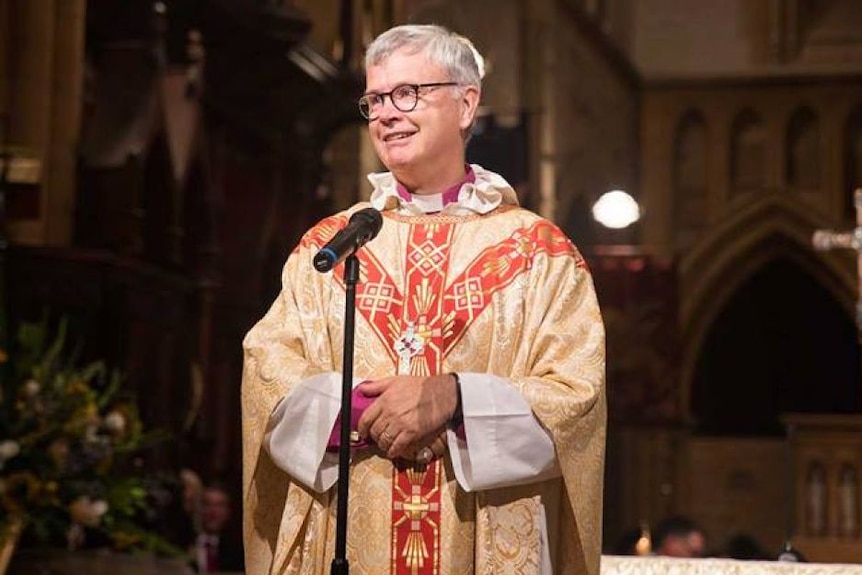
(450,195)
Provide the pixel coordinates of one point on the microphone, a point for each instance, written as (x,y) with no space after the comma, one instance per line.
(362,227)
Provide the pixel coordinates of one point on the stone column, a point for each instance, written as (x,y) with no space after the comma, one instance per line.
(45,55)
(30,46)
(68,80)
(539,98)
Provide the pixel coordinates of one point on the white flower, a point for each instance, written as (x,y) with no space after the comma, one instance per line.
(31,387)
(87,512)
(9,449)
(100,507)
(115,422)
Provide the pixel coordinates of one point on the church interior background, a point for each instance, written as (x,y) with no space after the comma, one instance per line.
(161,159)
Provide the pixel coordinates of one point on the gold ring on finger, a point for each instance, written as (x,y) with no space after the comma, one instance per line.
(425,455)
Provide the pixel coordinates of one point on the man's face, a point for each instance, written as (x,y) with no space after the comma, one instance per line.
(690,545)
(427,140)
(215,510)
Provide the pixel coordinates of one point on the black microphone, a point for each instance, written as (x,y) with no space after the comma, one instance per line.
(362,227)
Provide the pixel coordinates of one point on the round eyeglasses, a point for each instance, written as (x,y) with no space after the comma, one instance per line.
(404,97)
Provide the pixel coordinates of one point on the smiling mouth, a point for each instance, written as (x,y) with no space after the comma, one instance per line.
(398,136)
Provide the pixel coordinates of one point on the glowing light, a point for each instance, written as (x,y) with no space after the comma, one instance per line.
(616,209)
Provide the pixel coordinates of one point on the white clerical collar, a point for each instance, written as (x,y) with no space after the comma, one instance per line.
(485,194)
(427,204)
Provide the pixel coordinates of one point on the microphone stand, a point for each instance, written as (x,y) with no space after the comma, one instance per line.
(340,566)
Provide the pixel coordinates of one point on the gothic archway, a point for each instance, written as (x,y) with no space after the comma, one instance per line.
(780,344)
(719,266)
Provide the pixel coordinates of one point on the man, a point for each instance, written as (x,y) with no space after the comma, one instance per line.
(679,536)
(217,546)
(479,353)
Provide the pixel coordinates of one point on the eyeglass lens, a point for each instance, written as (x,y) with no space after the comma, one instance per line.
(404,98)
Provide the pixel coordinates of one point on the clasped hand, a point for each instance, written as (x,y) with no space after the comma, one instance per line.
(409,413)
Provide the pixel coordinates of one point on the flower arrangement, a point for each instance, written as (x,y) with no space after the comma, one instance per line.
(69,438)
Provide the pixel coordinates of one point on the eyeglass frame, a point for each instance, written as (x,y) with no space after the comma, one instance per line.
(382,95)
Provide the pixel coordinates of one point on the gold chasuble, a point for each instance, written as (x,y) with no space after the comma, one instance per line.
(504,293)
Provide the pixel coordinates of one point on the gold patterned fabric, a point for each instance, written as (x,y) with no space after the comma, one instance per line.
(517,301)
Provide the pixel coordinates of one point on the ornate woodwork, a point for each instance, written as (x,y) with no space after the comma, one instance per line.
(202,136)
(826,461)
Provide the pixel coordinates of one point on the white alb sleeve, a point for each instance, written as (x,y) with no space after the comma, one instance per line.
(505,444)
(299,430)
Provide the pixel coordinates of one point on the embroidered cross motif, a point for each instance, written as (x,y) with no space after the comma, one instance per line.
(469,295)
(376,298)
(408,345)
(415,508)
(428,257)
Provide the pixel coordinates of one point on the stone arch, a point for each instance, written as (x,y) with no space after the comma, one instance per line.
(690,179)
(802,150)
(778,334)
(747,152)
(717,266)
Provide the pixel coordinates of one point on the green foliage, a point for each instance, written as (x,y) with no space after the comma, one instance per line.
(69,439)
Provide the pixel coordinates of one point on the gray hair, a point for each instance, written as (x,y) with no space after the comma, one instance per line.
(451,51)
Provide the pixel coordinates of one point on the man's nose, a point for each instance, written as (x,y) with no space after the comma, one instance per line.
(387,109)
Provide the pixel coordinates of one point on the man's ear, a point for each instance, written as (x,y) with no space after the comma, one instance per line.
(469,105)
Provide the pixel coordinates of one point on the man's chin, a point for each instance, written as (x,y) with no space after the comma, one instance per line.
(399,162)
